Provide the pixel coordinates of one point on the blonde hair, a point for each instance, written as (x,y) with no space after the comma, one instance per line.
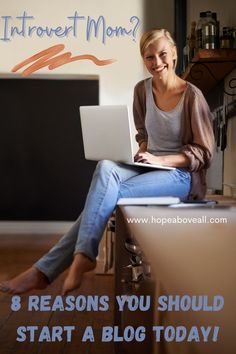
(152,36)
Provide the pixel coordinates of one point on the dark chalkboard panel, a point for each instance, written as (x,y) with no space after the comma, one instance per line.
(44,175)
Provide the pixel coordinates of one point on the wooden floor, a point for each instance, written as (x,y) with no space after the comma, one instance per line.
(17,253)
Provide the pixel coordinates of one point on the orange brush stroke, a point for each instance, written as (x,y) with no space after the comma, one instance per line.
(47,58)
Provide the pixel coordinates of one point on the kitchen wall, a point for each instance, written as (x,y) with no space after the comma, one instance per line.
(116,80)
(223,167)
(230,151)
(160,14)
(225,11)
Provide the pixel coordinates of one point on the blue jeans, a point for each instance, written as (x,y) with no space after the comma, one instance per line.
(110,182)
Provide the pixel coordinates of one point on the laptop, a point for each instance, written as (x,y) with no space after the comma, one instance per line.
(106,132)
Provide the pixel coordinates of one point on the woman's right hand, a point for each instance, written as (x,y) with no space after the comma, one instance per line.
(142,148)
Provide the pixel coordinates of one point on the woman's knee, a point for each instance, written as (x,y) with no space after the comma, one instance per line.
(106,165)
(107,168)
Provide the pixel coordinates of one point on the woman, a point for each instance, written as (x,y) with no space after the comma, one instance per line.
(173,122)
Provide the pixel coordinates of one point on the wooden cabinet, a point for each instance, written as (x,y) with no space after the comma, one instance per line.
(210,66)
(188,260)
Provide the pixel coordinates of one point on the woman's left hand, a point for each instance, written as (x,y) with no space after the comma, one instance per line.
(146,157)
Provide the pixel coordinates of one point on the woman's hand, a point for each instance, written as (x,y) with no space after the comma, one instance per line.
(142,148)
(178,160)
(146,157)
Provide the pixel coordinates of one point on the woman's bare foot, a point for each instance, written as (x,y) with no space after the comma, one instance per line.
(81,264)
(26,281)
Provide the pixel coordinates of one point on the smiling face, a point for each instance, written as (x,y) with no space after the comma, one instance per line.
(159,57)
